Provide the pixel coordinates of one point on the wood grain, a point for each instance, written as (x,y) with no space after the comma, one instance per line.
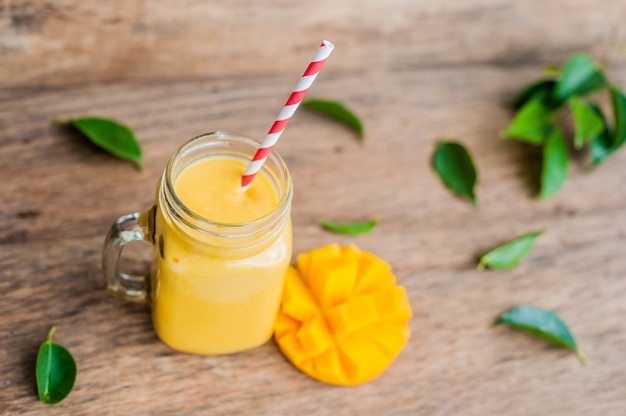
(63,42)
(59,194)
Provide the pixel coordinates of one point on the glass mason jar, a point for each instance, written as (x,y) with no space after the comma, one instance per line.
(214,287)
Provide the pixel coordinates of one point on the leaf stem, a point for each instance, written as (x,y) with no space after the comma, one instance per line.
(583,359)
(51,332)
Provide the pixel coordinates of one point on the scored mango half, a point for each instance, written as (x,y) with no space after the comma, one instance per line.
(342,319)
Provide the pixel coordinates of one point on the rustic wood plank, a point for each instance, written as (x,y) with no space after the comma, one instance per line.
(72,41)
(59,195)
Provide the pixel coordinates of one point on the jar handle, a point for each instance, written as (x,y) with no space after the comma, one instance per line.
(127,228)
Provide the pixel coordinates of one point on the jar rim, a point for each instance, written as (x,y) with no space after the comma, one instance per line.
(239,228)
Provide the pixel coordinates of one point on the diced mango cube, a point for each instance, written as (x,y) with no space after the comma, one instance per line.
(319,256)
(352,316)
(390,338)
(351,253)
(374,274)
(291,347)
(303,262)
(297,300)
(392,304)
(328,367)
(307,366)
(314,336)
(325,252)
(361,358)
(335,281)
(284,324)
(351,250)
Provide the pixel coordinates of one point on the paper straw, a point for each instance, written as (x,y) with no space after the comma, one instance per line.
(286,113)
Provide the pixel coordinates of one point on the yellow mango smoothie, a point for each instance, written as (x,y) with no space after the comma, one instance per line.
(216,289)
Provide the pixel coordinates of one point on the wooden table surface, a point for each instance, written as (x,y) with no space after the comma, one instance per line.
(414,71)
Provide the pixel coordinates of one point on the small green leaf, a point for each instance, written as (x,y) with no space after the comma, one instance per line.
(337,111)
(600,147)
(111,136)
(588,124)
(580,76)
(607,142)
(353,228)
(542,90)
(454,165)
(509,255)
(618,99)
(555,161)
(531,124)
(541,323)
(56,371)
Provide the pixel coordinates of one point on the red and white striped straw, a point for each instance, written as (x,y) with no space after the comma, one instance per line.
(286,113)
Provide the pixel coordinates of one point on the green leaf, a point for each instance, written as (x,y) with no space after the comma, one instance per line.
(541,323)
(531,124)
(587,123)
(618,99)
(508,255)
(353,228)
(337,111)
(601,145)
(454,165)
(56,371)
(580,76)
(607,142)
(542,90)
(555,161)
(111,136)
